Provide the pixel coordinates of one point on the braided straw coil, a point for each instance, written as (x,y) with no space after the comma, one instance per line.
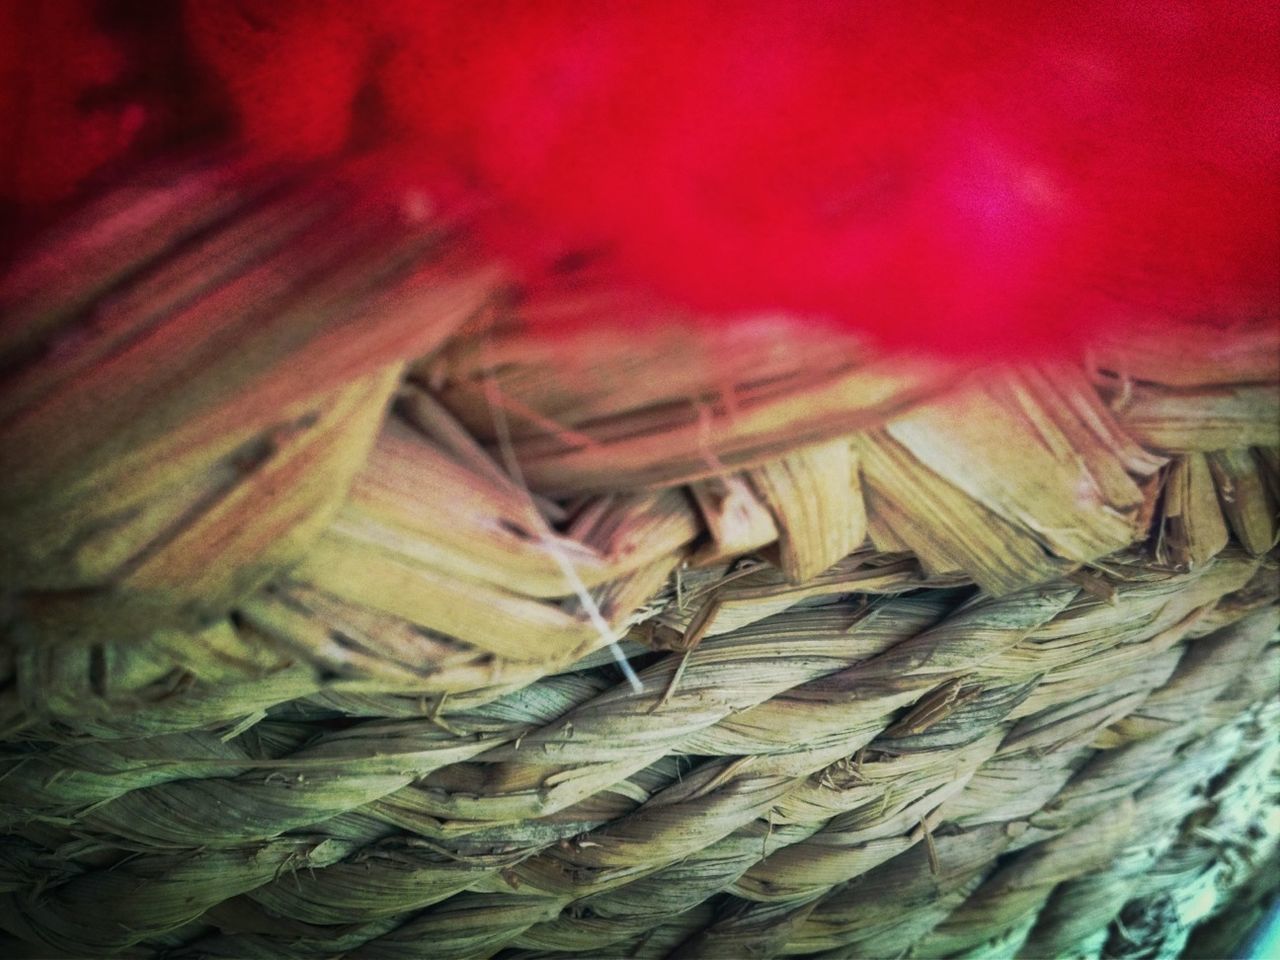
(314,549)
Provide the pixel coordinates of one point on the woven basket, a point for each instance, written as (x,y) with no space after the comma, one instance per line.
(315,551)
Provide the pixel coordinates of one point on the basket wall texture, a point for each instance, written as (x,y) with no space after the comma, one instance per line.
(314,550)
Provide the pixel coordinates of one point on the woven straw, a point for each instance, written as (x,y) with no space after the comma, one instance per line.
(315,549)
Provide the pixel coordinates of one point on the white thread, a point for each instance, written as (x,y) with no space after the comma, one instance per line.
(501,428)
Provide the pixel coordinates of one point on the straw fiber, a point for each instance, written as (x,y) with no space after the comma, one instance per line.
(315,546)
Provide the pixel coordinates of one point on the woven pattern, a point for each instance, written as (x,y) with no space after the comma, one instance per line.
(314,552)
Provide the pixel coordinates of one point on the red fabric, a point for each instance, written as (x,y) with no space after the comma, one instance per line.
(53,58)
(990,177)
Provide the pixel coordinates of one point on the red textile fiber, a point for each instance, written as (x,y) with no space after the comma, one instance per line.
(981,177)
(53,56)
